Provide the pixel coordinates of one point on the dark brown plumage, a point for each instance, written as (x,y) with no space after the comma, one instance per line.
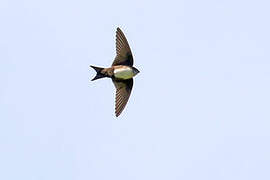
(123,52)
(123,90)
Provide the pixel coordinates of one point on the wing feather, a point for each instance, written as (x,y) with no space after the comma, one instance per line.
(123,90)
(123,52)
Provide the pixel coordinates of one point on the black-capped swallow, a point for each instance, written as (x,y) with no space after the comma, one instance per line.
(121,72)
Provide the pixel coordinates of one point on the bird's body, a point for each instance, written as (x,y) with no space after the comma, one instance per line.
(121,72)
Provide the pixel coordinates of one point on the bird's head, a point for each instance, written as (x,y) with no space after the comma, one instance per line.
(135,71)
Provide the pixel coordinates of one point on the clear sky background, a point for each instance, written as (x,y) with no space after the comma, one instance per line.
(199,109)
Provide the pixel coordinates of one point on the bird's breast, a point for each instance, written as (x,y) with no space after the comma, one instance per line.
(123,73)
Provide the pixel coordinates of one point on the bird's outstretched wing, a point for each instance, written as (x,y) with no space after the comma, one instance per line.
(123,90)
(123,52)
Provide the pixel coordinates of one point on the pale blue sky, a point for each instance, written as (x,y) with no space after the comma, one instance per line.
(200,108)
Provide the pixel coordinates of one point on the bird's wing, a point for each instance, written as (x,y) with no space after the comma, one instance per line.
(123,90)
(123,52)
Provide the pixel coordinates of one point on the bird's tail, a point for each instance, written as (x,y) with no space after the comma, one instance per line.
(99,73)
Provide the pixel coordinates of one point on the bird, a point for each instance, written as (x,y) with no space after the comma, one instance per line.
(121,72)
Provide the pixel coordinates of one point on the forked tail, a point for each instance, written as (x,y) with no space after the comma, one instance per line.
(99,73)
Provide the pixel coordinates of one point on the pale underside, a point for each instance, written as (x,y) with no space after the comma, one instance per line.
(123,73)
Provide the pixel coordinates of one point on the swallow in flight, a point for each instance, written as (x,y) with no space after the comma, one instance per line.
(121,72)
